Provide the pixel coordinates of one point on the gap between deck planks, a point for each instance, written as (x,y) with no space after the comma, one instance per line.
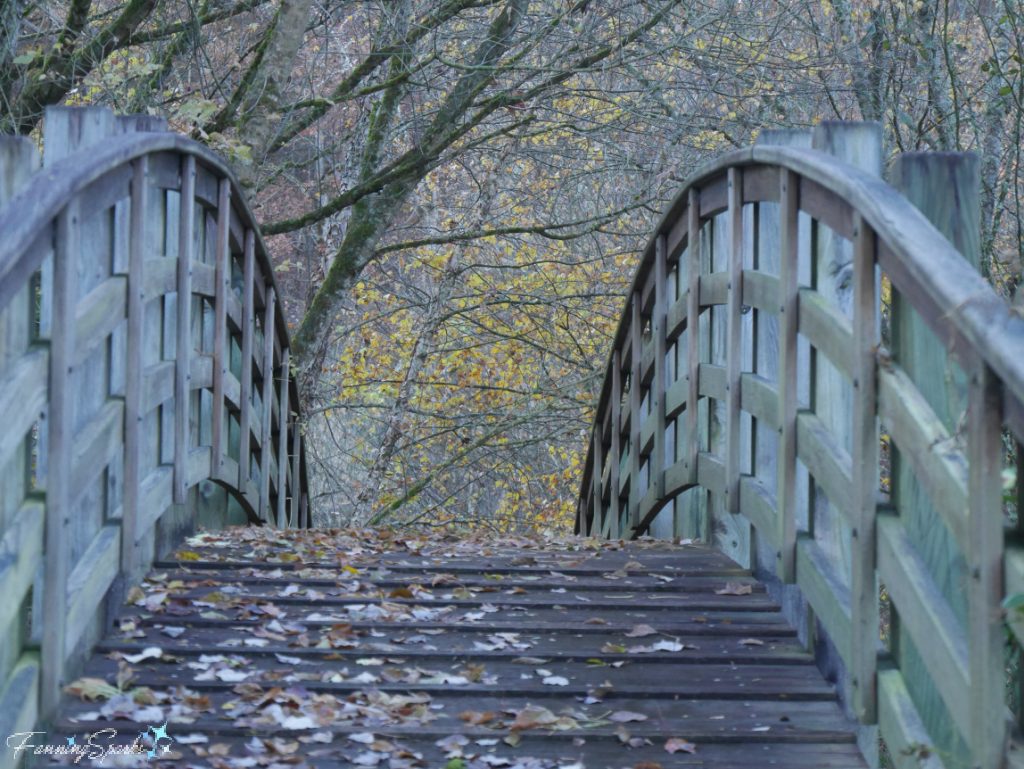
(461,628)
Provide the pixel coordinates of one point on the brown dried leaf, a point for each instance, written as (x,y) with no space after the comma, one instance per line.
(533,716)
(475,717)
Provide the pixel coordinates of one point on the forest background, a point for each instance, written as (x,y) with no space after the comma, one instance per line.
(455,191)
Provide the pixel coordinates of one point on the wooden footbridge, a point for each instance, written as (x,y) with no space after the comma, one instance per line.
(812,390)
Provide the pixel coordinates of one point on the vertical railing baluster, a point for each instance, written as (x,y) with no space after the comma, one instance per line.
(133,361)
(268,405)
(656,464)
(985,560)
(60,445)
(245,385)
(616,451)
(183,347)
(221,338)
(636,361)
(789,209)
(284,411)
(693,336)
(864,582)
(296,484)
(734,343)
(598,506)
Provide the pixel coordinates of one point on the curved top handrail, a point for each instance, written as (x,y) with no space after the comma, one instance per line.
(969,304)
(49,190)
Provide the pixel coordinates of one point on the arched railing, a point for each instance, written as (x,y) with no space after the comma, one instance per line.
(790,304)
(118,399)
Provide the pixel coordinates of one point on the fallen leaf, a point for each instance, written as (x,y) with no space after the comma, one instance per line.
(556,681)
(533,716)
(623,734)
(639,631)
(624,716)
(752,642)
(474,717)
(677,744)
(735,588)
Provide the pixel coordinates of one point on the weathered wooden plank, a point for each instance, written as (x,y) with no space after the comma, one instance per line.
(712,381)
(296,480)
(827,593)
(926,617)
(944,187)
(926,446)
(635,399)
(614,511)
(711,473)
(759,397)
(675,323)
(183,355)
(160,276)
(734,342)
(826,460)
(714,196)
(760,184)
(19,705)
(59,449)
(597,500)
(656,466)
(98,314)
(23,393)
(282,445)
(89,581)
(693,336)
(714,289)
(155,495)
(825,206)
(789,304)
(267,398)
(910,745)
(864,478)
(245,383)
(828,330)
(761,291)
(987,730)
(221,338)
(757,502)
(95,445)
(134,398)
(21,551)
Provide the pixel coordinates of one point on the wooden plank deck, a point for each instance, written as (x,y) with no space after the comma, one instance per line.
(441,648)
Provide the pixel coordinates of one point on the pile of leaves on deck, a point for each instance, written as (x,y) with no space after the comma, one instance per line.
(302,721)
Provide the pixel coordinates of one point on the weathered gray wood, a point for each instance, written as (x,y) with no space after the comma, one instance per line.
(827,460)
(787,374)
(714,288)
(656,471)
(734,342)
(614,512)
(282,441)
(21,552)
(635,384)
(826,591)
(296,482)
(597,504)
(89,581)
(987,729)
(862,658)
(900,725)
(267,397)
(926,616)
(59,448)
(183,355)
(133,399)
(692,333)
(926,448)
(944,187)
(245,397)
(828,330)
(221,337)
(19,703)
(23,392)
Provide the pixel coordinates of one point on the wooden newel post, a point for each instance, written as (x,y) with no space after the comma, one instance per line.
(945,188)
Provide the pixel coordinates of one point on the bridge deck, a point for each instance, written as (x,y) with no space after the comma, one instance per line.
(529,654)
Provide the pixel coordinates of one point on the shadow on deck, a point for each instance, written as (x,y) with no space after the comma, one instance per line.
(322,648)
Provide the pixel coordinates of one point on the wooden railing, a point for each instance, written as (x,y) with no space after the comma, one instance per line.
(128,417)
(790,311)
